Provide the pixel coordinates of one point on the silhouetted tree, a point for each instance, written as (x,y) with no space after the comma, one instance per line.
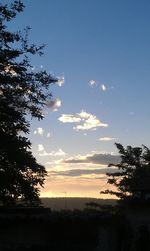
(22,92)
(132,177)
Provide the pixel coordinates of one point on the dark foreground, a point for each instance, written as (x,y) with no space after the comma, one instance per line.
(89,230)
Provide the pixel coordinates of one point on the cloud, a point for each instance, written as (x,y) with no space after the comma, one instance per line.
(61,81)
(84,115)
(80,172)
(60,152)
(103,87)
(88,121)
(54,104)
(97,158)
(48,135)
(92,82)
(91,123)
(39,131)
(40,148)
(106,139)
(67,118)
(74,186)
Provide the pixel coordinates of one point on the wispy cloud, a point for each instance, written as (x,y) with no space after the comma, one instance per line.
(103,87)
(39,131)
(87,185)
(54,104)
(43,152)
(40,148)
(61,81)
(92,82)
(48,135)
(83,172)
(107,139)
(87,121)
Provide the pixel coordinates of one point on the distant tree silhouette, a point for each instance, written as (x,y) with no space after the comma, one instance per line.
(132,177)
(23,92)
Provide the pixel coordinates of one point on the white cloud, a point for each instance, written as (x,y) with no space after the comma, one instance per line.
(61,81)
(106,139)
(40,148)
(91,123)
(48,135)
(103,88)
(84,115)
(54,104)
(68,118)
(39,131)
(92,82)
(60,152)
(87,121)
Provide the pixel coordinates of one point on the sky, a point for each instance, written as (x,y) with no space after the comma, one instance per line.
(100,50)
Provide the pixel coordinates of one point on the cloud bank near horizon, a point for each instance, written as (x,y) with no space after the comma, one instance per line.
(97,158)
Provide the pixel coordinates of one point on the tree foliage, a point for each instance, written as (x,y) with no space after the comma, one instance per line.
(23,92)
(132,176)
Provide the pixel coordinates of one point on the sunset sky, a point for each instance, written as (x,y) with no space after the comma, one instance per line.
(100,50)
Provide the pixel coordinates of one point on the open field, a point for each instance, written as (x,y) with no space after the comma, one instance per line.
(73,203)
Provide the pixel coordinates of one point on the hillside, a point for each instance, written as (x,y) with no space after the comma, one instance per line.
(73,203)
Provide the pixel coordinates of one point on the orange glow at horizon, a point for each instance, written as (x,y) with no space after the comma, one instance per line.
(76,187)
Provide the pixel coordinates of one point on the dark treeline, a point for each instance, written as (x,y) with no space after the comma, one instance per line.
(89,230)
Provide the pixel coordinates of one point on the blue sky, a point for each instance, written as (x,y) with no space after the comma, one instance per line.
(101,51)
